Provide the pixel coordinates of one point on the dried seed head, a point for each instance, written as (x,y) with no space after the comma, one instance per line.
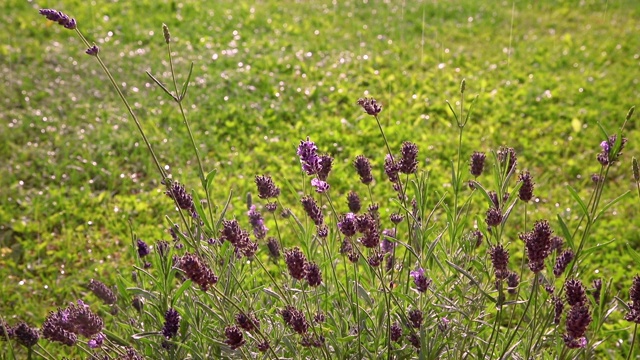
(165,32)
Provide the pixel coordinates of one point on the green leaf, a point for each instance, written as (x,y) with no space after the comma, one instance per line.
(161,86)
(146,334)
(576,197)
(209,179)
(143,293)
(590,250)
(566,232)
(473,280)
(200,210)
(634,254)
(362,293)
(180,291)
(185,86)
(115,338)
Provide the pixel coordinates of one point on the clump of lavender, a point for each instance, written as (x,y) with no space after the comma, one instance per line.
(408,163)
(102,291)
(59,17)
(634,306)
(266,187)
(363,168)
(525,193)
(257,222)
(295,260)
(370,106)
(235,338)
(477,163)
(26,335)
(421,282)
(171,323)
(353,201)
(197,271)
(500,260)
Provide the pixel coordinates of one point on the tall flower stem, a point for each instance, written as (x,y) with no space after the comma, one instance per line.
(633,340)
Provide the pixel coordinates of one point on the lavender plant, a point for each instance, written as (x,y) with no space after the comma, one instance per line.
(324,278)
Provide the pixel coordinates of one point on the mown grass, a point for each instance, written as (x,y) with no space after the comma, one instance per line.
(266,75)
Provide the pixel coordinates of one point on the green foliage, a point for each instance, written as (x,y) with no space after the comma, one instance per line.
(76,173)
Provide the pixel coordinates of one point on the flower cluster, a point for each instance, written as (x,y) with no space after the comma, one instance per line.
(257,222)
(64,325)
(238,237)
(59,17)
(102,291)
(634,306)
(197,271)
(370,106)
(420,280)
(538,244)
(477,163)
(609,154)
(578,317)
(266,187)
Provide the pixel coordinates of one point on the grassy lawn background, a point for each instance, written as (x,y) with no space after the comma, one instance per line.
(271,73)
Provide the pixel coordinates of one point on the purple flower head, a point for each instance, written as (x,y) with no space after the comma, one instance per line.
(420,280)
(605,146)
(494,217)
(538,245)
(408,163)
(274,247)
(477,163)
(321,186)
(415,318)
(102,291)
(312,209)
(295,260)
(387,246)
(512,282)
(326,163)
(25,335)
(391,168)
(353,201)
(363,168)
(93,50)
(313,274)
(171,323)
(578,319)
(525,193)
(308,153)
(634,294)
(507,155)
(257,222)
(97,341)
(247,322)
(59,17)
(375,259)
(235,339)
(347,224)
(562,262)
(558,306)
(177,192)
(197,271)
(597,288)
(57,328)
(370,106)
(143,248)
(575,292)
(396,332)
(266,188)
(500,260)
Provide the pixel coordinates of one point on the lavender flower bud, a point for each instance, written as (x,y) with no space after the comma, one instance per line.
(57,327)
(143,248)
(558,305)
(562,262)
(309,160)
(415,318)
(347,224)
(375,259)
(408,163)
(326,163)
(476,238)
(420,280)
(508,155)
(25,335)
(6,332)
(263,346)
(538,243)
(313,274)
(102,292)
(295,260)
(274,247)
(59,17)
(526,190)
(500,260)
(197,271)
(313,211)
(177,192)
(266,188)
(96,341)
(578,319)
(494,217)
(363,168)
(247,322)
(370,106)
(477,163)
(353,200)
(575,292)
(391,168)
(321,186)
(414,339)
(597,288)
(234,336)
(171,323)
(396,332)
(512,282)
(634,305)
(257,222)
(93,50)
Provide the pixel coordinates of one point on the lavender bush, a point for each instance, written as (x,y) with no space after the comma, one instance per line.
(331,277)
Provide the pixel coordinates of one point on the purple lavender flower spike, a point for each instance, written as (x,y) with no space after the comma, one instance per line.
(93,50)
(59,17)
(97,341)
(309,159)
(257,222)
(420,280)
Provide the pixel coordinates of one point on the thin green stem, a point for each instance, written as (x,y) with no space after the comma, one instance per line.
(633,340)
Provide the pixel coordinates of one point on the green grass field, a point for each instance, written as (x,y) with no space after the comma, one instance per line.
(76,178)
